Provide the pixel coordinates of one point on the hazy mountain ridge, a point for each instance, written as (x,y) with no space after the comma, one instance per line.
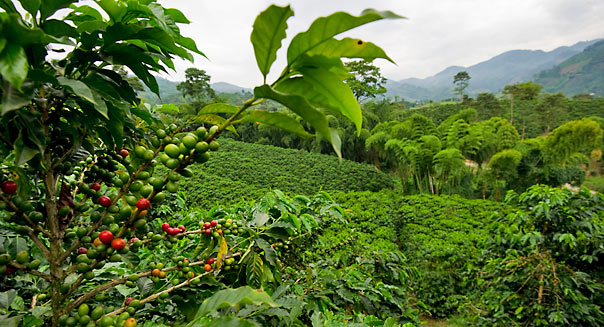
(488,76)
(582,73)
(169,93)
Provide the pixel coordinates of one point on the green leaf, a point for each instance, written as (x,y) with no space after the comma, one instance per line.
(135,59)
(49,7)
(214,119)
(115,123)
(349,48)
(229,321)
(169,107)
(115,9)
(31,6)
(10,322)
(13,99)
(269,31)
(23,153)
(177,15)
(234,297)
(219,108)
(8,6)
(300,106)
(309,222)
(325,28)
(254,270)
(7,298)
(269,252)
(79,89)
(58,28)
(340,98)
(275,119)
(14,64)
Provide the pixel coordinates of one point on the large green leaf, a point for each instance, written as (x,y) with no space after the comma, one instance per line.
(255,270)
(48,7)
(269,31)
(234,297)
(349,48)
(135,59)
(324,89)
(58,28)
(340,97)
(300,106)
(223,321)
(115,123)
(115,9)
(325,28)
(219,108)
(31,6)
(176,15)
(269,252)
(79,89)
(275,119)
(12,99)
(23,153)
(13,64)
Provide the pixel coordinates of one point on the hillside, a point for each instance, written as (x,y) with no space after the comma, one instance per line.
(582,73)
(243,170)
(488,76)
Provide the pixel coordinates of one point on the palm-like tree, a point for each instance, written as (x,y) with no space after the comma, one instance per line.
(449,164)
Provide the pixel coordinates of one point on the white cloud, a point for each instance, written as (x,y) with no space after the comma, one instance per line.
(438,33)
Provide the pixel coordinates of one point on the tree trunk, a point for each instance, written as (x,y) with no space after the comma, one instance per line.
(56,246)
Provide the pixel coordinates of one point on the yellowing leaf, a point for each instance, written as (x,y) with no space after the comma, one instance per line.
(222,251)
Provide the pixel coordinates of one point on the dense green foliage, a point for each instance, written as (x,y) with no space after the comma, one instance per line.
(440,236)
(246,171)
(542,266)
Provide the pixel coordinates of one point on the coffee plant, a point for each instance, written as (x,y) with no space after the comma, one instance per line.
(79,155)
(542,266)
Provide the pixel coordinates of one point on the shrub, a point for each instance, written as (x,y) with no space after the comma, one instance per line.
(539,269)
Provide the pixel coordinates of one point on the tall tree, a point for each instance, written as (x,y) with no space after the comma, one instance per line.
(365,81)
(522,91)
(197,87)
(550,109)
(448,165)
(461,81)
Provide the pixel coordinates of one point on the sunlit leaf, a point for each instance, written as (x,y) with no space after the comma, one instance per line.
(300,106)
(350,48)
(275,119)
(218,108)
(13,64)
(222,251)
(234,297)
(269,30)
(325,28)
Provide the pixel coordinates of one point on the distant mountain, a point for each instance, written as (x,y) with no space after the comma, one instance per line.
(169,93)
(225,87)
(488,76)
(582,73)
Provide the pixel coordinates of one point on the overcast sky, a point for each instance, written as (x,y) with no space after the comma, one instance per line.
(435,35)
